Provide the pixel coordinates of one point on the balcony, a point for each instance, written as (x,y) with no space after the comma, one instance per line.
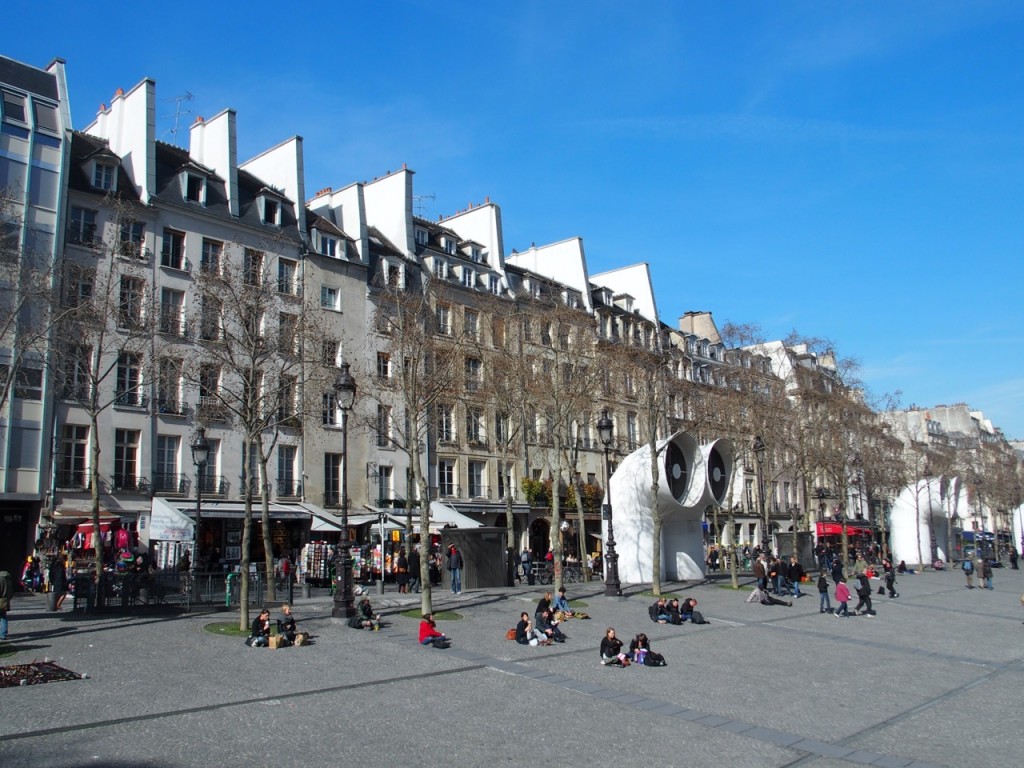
(134,250)
(172,321)
(212,485)
(166,406)
(131,400)
(287,287)
(392,502)
(332,499)
(165,484)
(211,409)
(478,444)
(174,260)
(85,235)
(288,489)
(79,392)
(130,484)
(449,490)
(73,480)
(479,491)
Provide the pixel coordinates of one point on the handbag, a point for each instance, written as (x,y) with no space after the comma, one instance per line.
(510,635)
(441,642)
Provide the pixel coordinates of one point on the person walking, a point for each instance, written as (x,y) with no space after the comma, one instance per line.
(414,570)
(823,602)
(986,573)
(402,572)
(6,593)
(455,564)
(890,578)
(795,573)
(58,578)
(761,573)
(967,566)
(842,598)
(863,586)
(837,569)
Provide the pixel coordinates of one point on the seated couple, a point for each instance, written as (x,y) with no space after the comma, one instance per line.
(259,636)
(545,632)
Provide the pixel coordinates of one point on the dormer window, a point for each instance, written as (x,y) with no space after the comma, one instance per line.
(194,188)
(449,245)
(475,255)
(328,245)
(421,236)
(271,212)
(494,284)
(103,176)
(468,277)
(440,269)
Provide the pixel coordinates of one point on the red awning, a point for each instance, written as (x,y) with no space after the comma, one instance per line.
(836,529)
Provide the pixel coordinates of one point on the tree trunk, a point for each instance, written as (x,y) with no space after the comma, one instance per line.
(243,576)
(268,544)
(556,532)
(94,494)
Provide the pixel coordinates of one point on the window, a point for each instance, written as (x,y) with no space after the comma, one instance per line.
(440,269)
(130,302)
(126,459)
(472,324)
(330,351)
(211,256)
(28,383)
(449,245)
(474,374)
(474,255)
(396,276)
(444,321)
(498,332)
(446,477)
(210,404)
(168,385)
(631,431)
(383,426)
(14,108)
(172,254)
(477,476)
(446,424)
(287,271)
(252,323)
(328,245)
(383,366)
(128,387)
(421,236)
(475,426)
(77,365)
(271,211)
(195,188)
(501,428)
(332,479)
(103,176)
(46,117)
(329,411)
(132,240)
(330,298)
(494,284)
(468,277)
(82,230)
(172,312)
(165,472)
(385,485)
(288,328)
(252,267)
(286,485)
(208,476)
(210,319)
(74,452)
(287,390)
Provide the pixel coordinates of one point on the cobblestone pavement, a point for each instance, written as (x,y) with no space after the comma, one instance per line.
(933,679)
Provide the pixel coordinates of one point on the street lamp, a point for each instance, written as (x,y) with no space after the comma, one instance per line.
(200,455)
(344,608)
(758,448)
(612,587)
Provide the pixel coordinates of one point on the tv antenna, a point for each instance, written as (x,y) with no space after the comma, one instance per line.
(178,100)
(418,203)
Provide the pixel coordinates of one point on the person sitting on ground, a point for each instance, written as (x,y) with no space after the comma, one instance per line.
(686,609)
(763,597)
(611,650)
(365,618)
(659,612)
(429,634)
(639,647)
(902,567)
(259,637)
(675,611)
(547,624)
(527,635)
(561,604)
(544,604)
(286,624)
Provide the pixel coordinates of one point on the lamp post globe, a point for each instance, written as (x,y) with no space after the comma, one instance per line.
(612,586)
(344,607)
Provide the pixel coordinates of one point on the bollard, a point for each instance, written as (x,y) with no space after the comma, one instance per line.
(307,590)
(228,584)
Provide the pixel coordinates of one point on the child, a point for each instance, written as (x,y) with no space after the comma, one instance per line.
(842,597)
(824,603)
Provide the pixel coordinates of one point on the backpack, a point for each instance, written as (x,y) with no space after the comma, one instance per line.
(698,618)
(652,659)
(968,566)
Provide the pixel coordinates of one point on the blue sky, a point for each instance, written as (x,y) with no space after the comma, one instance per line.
(853,171)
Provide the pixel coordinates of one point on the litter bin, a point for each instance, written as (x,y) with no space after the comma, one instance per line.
(84,594)
(229,585)
(51,601)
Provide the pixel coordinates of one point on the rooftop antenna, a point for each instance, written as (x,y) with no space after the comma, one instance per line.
(187,96)
(420,207)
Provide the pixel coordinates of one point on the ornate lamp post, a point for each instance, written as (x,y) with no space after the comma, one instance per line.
(344,608)
(758,448)
(200,455)
(612,587)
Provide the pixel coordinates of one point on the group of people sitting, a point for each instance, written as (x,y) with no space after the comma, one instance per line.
(260,634)
(674,612)
(640,651)
(544,628)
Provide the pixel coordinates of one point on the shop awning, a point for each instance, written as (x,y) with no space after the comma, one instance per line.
(444,516)
(836,529)
(236,509)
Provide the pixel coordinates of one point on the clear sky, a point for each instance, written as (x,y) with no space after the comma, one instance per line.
(852,171)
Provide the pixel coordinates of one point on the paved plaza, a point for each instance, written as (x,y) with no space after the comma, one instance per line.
(933,680)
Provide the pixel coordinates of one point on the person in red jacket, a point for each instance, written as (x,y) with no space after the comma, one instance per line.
(429,634)
(842,597)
